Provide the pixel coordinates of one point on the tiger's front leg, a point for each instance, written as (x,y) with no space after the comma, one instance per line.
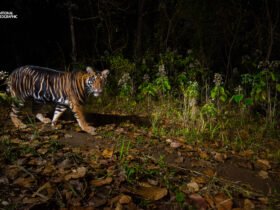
(59,110)
(77,110)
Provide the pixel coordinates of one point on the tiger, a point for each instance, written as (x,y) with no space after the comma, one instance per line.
(64,89)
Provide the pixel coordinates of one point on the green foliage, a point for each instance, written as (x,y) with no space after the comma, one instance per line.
(248,101)
(124,148)
(159,87)
(209,110)
(3,97)
(120,79)
(263,85)
(238,98)
(191,90)
(265,88)
(180,197)
(218,93)
(162,85)
(120,65)
(147,89)
(126,90)
(182,80)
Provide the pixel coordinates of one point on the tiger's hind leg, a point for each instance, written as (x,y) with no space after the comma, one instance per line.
(59,110)
(14,115)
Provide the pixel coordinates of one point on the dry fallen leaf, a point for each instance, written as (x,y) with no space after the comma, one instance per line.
(119,206)
(65,164)
(175,144)
(76,173)
(263,164)
(179,160)
(24,182)
(101,182)
(263,174)
(199,179)
(144,184)
(220,157)
(49,169)
(152,182)
(107,153)
(210,200)
(42,151)
(203,155)
(263,200)
(247,153)
(248,205)
(12,171)
(198,201)
(209,172)
(151,193)
(193,187)
(168,141)
(125,199)
(223,202)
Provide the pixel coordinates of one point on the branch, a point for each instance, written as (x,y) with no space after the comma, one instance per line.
(85,19)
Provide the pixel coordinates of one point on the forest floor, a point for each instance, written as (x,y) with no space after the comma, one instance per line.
(125,166)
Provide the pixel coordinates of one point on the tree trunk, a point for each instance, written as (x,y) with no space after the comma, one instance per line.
(72,31)
(138,44)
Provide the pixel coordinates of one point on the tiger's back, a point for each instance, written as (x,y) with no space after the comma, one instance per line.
(41,84)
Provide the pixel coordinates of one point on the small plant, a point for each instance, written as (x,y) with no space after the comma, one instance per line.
(218,93)
(125,85)
(266,87)
(180,197)
(121,80)
(3,96)
(190,95)
(161,83)
(238,96)
(147,90)
(132,171)
(161,161)
(124,148)
(208,115)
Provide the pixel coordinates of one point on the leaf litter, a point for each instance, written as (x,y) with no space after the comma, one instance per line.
(126,167)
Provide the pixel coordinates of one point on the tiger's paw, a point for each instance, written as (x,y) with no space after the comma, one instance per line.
(56,126)
(90,130)
(43,119)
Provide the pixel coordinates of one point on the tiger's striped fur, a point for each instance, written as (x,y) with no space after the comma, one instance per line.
(65,89)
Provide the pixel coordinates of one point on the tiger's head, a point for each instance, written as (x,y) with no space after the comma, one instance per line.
(96,81)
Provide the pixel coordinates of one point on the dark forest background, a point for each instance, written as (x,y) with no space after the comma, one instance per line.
(220,33)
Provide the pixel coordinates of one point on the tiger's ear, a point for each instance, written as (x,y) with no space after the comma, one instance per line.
(90,70)
(105,73)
